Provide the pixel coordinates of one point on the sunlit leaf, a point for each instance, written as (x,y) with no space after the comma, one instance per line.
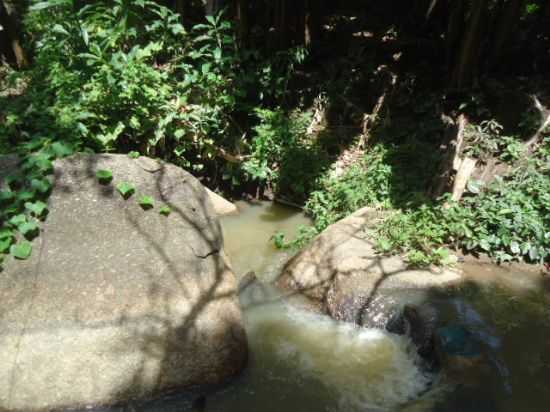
(21,250)
(126,189)
(147,202)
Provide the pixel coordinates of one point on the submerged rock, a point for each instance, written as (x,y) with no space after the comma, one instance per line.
(458,350)
(118,303)
(344,275)
(247,281)
(419,323)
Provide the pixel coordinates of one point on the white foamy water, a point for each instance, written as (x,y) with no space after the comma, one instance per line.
(368,369)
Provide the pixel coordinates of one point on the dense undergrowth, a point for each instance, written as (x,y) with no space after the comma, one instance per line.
(127,76)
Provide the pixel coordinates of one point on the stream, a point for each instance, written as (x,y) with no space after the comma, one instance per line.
(301,361)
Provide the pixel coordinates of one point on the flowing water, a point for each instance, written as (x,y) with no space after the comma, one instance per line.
(300,361)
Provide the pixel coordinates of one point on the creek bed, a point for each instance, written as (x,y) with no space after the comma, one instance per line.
(300,361)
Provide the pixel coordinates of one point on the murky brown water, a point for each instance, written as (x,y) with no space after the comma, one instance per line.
(248,237)
(305,362)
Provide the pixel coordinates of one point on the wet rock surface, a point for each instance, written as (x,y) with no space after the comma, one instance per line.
(420,324)
(118,303)
(344,275)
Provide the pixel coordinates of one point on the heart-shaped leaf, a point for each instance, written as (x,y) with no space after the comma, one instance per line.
(14,181)
(133,154)
(6,233)
(147,202)
(25,196)
(41,185)
(165,211)
(104,176)
(18,220)
(6,196)
(21,250)
(5,244)
(39,162)
(126,189)
(37,208)
(29,229)
(62,149)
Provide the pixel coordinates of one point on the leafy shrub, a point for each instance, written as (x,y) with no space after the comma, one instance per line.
(125,75)
(508,221)
(282,155)
(484,140)
(387,176)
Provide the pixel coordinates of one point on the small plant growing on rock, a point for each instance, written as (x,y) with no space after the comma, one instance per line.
(125,189)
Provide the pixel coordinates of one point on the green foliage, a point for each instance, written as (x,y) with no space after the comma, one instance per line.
(508,221)
(275,73)
(26,191)
(126,75)
(165,211)
(119,75)
(147,202)
(283,155)
(304,236)
(104,176)
(484,140)
(133,154)
(22,250)
(38,209)
(387,176)
(29,229)
(125,189)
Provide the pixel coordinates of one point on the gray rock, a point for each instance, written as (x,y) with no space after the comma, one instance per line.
(118,303)
(419,322)
(222,207)
(344,275)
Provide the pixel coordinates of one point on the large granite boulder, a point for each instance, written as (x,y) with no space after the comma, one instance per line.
(116,302)
(344,275)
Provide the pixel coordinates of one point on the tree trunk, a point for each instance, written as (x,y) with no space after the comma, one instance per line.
(506,27)
(281,24)
(213,7)
(454,29)
(450,163)
(312,23)
(242,19)
(466,69)
(10,21)
(180,7)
